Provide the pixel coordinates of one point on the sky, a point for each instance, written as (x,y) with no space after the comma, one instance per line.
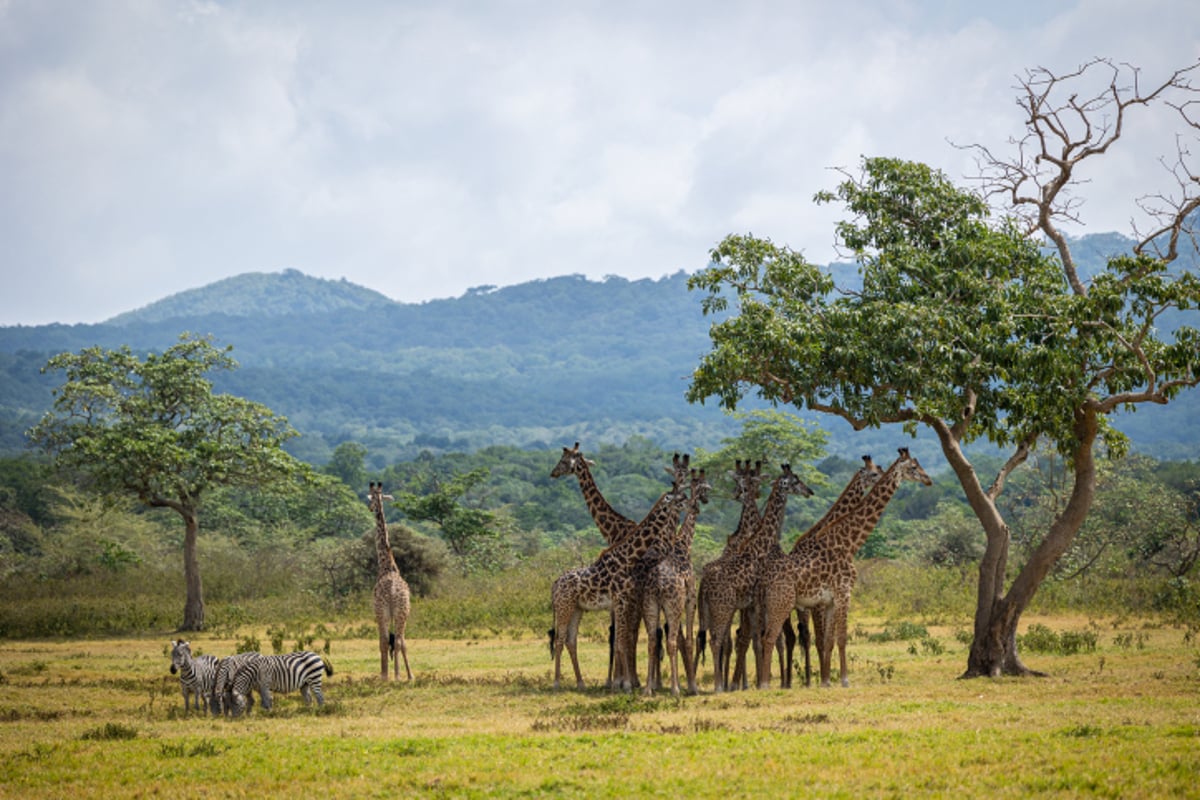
(423,148)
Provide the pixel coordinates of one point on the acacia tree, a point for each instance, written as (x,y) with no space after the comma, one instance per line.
(154,429)
(964,325)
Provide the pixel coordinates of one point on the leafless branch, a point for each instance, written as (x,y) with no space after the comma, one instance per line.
(1070,118)
(1171,213)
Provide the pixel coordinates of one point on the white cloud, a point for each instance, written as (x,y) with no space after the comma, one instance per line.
(421,148)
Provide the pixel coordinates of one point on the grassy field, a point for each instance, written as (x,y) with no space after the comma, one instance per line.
(103,718)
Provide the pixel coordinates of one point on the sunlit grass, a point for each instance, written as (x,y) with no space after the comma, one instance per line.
(103,718)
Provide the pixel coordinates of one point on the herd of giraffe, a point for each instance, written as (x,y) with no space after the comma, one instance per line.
(644,577)
(645,573)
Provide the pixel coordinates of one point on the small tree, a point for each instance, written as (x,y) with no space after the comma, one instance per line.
(154,429)
(474,536)
(963,325)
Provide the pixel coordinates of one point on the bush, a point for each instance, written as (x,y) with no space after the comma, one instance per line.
(1040,639)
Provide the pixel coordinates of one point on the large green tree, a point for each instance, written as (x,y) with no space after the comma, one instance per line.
(154,429)
(964,325)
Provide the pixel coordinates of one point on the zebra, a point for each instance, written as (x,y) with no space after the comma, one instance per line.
(196,674)
(286,673)
(222,693)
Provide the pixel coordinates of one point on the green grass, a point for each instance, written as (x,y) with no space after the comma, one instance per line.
(103,718)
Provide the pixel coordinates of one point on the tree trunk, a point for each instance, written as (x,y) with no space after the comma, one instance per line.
(193,609)
(994,649)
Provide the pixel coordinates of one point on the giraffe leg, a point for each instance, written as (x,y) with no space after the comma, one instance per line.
(385,649)
(742,642)
(621,679)
(719,633)
(805,637)
(650,620)
(786,649)
(572,640)
(772,629)
(825,642)
(689,665)
(558,639)
(842,617)
(675,620)
(404,654)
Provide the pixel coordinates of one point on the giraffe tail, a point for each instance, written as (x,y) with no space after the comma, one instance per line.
(701,636)
(551,633)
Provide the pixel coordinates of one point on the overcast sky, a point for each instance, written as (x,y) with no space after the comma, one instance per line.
(422,148)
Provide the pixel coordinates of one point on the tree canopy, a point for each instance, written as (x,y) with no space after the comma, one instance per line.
(155,430)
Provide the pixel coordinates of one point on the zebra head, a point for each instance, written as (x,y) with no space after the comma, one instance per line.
(181,654)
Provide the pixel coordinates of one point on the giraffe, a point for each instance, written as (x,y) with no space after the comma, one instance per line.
(819,572)
(733,587)
(613,526)
(747,482)
(771,530)
(607,583)
(392,601)
(862,481)
(669,587)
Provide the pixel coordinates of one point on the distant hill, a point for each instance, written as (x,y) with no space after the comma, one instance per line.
(258,294)
(539,364)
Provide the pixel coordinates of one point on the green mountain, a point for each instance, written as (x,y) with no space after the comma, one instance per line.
(258,294)
(539,364)
(535,364)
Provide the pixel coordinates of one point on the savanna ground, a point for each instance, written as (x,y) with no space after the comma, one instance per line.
(1119,716)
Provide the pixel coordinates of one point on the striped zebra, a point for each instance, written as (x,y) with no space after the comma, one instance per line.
(222,693)
(286,673)
(196,674)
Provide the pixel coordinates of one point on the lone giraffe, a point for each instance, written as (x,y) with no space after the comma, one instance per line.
(613,526)
(669,589)
(862,481)
(392,600)
(747,483)
(819,573)
(732,587)
(607,583)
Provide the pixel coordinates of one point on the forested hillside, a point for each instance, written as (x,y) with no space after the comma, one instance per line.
(539,364)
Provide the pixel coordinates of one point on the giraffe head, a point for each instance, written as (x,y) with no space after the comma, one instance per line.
(790,483)
(747,481)
(910,469)
(375,497)
(679,469)
(869,472)
(571,463)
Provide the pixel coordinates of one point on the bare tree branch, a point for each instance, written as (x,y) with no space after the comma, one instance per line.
(1063,132)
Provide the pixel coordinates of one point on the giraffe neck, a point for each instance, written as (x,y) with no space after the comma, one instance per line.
(743,536)
(687,530)
(850,533)
(771,524)
(383,547)
(613,526)
(850,497)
